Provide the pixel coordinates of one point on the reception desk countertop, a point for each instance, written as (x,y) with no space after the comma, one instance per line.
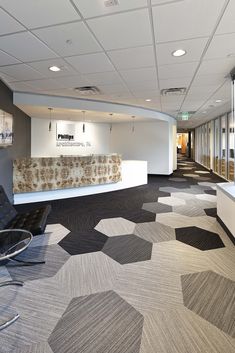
(53,173)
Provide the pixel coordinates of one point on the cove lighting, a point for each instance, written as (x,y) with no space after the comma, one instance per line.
(179,52)
(54,68)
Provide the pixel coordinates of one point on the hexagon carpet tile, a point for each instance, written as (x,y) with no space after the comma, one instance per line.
(199,238)
(101,322)
(142,270)
(212,297)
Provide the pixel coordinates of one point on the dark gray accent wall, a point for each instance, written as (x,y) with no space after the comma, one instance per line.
(22,139)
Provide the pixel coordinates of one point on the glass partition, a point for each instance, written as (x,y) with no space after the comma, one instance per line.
(217,146)
(230,147)
(223,152)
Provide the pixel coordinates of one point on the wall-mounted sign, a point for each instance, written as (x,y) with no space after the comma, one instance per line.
(73,144)
(65,131)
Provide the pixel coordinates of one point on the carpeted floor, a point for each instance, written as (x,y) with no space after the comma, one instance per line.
(143,270)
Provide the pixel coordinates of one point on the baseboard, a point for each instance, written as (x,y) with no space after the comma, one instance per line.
(225,228)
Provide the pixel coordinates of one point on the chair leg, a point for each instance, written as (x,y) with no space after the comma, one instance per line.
(9,322)
(28,263)
(14,318)
(11,283)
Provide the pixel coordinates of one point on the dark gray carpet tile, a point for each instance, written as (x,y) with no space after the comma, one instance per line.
(128,248)
(156,207)
(98,323)
(212,212)
(83,242)
(53,255)
(199,238)
(211,296)
(210,192)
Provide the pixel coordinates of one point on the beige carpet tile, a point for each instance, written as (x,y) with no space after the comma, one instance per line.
(154,232)
(40,305)
(182,331)
(115,226)
(88,273)
(171,201)
(175,220)
(35,348)
(54,233)
(207,197)
(222,261)
(202,171)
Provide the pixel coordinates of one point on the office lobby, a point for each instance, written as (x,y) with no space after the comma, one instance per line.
(117,193)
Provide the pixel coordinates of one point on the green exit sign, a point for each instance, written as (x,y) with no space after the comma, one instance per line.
(185,115)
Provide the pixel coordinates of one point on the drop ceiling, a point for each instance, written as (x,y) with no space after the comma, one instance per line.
(124,50)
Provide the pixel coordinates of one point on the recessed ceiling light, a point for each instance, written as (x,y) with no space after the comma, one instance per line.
(148,100)
(179,52)
(54,68)
(218,101)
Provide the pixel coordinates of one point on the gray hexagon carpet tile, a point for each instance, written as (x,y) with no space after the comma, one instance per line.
(142,270)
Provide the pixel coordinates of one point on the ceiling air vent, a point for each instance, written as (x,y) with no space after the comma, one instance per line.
(87,90)
(109,3)
(178,91)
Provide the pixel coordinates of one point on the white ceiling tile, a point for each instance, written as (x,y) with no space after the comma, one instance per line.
(132,58)
(72,81)
(219,66)
(123,30)
(144,85)
(25,46)
(6,78)
(45,84)
(21,72)
(139,75)
(177,70)
(208,80)
(8,24)
(221,46)
(91,63)
(202,93)
(6,59)
(151,94)
(81,41)
(107,89)
(21,86)
(43,67)
(175,83)
(41,13)
(97,8)
(160,2)
(186,19)
(193,47)
(192,105)
(104,78)
(227,24)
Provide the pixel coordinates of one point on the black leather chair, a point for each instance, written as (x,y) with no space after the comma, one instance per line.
(34,221)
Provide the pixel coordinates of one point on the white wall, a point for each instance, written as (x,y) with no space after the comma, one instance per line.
(44,141)
(151,141)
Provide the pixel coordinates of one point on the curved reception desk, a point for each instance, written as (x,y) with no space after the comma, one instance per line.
(49,178)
